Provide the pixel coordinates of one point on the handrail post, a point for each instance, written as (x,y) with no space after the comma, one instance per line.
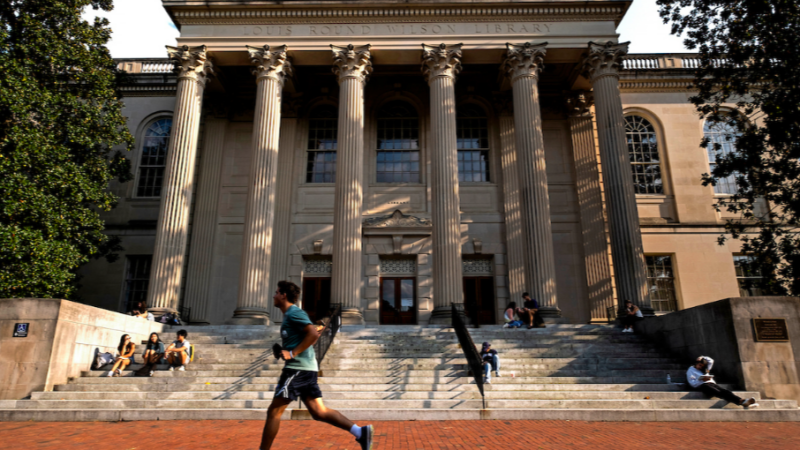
(328,334)
(468,347)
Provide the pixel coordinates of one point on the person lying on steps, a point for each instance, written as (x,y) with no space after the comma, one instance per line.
(699,378)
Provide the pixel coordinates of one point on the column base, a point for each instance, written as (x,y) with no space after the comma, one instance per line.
(442,315)
(352,316)
(252,316)
(550,312)
(648,311)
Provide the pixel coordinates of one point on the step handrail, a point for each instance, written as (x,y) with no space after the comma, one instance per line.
(328,333)
(468,347)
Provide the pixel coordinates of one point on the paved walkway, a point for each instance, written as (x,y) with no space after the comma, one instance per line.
(302,435)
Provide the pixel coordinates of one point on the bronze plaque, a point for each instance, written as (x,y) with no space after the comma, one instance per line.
(771,330)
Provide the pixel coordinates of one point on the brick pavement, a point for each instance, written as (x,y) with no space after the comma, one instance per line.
(302,435)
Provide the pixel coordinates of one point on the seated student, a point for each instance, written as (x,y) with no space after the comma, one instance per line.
(529,313)
(178,352)
(126,350)
(140,311)
(508,317)
(632,315)
(490,362)
(699,378)
(153,353)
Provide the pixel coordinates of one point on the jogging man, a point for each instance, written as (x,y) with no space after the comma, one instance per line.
(299,375)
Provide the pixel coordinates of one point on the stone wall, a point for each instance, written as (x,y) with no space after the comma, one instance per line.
(62,340)
(724,331)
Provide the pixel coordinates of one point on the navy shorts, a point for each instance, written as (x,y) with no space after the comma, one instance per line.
(295,384)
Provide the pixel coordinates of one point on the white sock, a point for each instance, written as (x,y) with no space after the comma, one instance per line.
(355,430)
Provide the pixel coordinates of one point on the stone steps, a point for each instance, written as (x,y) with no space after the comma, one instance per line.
(371,380)
(404,373)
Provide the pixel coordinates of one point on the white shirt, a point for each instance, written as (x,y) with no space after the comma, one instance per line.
(693,375)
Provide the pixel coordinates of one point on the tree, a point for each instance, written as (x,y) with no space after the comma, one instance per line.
(60,116)
(749,59)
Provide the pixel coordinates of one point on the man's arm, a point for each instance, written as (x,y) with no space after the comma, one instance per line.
(311,337)
(170,348)
(709,363)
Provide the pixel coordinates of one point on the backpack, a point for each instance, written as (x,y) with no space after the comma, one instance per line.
(102,359)
(170,319)
(191,353)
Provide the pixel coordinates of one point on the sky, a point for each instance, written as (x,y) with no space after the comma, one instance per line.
(141,29)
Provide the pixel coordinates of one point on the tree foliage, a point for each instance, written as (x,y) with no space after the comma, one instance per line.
(60,116)
(749,61)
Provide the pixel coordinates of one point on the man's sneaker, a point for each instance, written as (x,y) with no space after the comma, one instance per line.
(171,368)
(497,373)
(506,326)
(182,368)
(151,373)
(750,403)
(366,438)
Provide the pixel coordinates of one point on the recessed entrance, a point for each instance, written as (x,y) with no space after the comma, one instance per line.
(479,299)
(398,301)
(316,297)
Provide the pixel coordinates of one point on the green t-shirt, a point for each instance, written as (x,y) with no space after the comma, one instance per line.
(292,334)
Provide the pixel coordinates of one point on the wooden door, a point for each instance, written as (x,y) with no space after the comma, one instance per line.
(479,299)
(316,297)
(398,301)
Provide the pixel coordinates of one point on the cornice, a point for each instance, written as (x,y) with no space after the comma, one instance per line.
(149,91)
(655,86)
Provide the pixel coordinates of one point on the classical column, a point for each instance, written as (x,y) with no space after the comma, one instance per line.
(352,66)
(601,66)
(193,70)
(515,236)
(204,228)
(255,289)
(590,202)
(522,66)
(440,65)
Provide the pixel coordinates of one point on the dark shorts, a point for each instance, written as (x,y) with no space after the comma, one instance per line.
(295,384)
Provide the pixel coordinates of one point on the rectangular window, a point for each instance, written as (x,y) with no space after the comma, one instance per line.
(398,166)
(398,146)
(321,167)
(661,283)
(473,165)
(472,142)
(747,277)
(137,279)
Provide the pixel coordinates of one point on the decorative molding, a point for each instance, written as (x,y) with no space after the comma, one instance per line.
(149,91)
(476,266)
(317,266)
(524,60)
(397,243)
(603,60)
(352,62)
(273,64)
(578,103)
(396,220)
(477,245)
(655,86)
(318,247)
(191,63)
(398,266)
(441,61)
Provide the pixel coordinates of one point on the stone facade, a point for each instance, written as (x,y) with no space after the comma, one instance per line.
(434,133)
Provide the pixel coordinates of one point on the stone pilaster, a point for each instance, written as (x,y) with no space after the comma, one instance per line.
(590,202)
(440,65)
(255,289)
(522,66)
(352,66)
(205,221)
(193,70)
(601,66)
(516,242)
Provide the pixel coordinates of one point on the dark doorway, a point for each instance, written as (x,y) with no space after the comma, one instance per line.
(316,297)
(479,299)
(398,301)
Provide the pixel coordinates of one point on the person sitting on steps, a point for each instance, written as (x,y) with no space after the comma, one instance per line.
(178,352)
(529,314)
(508,316)
(126,350)
(632,315)
(153,353)
(699,378)
(490,362)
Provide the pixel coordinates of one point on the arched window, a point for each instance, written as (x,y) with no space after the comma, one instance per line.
(643,154)
(154,158)
(472,130)
(725,135)
(398,144)
(322,124)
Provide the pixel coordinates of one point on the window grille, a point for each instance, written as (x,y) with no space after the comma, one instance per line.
(661,283)
(643,154)
(322,145)
(137,279)
(154,158)
(398,144)
(724,135)
(473,144)
(476,266)
(317,267)
(395,266)
(747,276)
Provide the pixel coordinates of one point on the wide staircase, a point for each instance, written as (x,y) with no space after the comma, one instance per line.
(575,372)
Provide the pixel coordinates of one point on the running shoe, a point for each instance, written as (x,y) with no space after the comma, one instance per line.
(366,438)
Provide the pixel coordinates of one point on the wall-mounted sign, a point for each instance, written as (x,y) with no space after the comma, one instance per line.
(771,330)
(21,329)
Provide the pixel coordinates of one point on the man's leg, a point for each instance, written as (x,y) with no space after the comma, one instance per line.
(714,390)
(323,414)
(537,320)
(496,364)
(487,371)
(273,424)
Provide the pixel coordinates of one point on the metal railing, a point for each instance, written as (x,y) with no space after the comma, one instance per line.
(331,325)
(468,347)
(185,313)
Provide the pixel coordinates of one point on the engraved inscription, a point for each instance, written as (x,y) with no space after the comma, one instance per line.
(771,330)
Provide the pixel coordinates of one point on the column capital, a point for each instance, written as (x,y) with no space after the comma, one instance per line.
(191,63)
(441,61)
(523,60)
(352,62)
(603,60)
(272,63)
(578,103)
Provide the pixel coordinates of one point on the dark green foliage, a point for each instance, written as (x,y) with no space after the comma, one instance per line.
(60,114)
(759,40)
